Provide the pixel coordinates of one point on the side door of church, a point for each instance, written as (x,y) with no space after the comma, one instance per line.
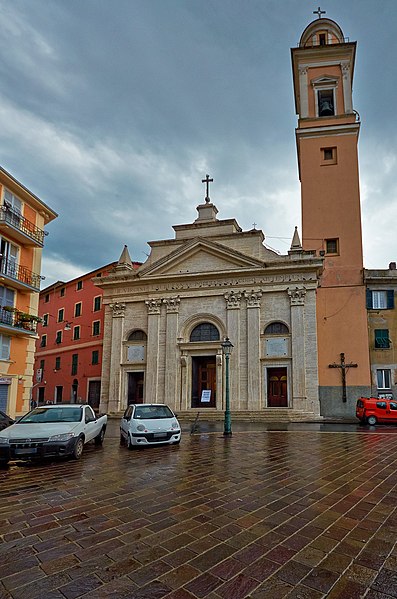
(277,388)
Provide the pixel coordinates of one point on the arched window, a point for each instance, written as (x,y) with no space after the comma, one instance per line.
(205,332)
(137,336)
(276,328)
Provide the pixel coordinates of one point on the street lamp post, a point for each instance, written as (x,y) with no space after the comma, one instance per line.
(227,347)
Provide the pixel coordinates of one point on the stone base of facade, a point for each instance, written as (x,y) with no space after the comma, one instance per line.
(266,415)
(332,404)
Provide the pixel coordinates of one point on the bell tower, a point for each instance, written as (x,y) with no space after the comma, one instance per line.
(327,138)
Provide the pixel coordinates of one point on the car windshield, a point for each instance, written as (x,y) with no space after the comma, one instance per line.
(43,414)
(152,412)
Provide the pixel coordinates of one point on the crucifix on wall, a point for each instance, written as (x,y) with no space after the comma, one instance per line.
(344,368)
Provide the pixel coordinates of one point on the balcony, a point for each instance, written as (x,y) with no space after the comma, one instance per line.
(22,229)
(19,277)
(13,320)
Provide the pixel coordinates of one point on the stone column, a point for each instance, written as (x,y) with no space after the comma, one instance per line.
(115,403)
(253,299)
(153,347)
(233,305)
(298,353)
(171,350)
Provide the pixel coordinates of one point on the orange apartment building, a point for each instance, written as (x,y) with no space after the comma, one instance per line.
(327,137)
(68,357)
(23,217)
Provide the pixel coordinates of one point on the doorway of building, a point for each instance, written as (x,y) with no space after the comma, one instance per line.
(277,395)
(75,387)
(135,387)
(94,394)
(58,393)
(203,382)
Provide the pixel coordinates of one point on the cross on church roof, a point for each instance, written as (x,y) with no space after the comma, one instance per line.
(207,180)
(319,12)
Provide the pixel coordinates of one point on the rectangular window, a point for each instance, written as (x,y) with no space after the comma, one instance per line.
(332,246)
(97,303)
(58,338)
(6,296)
(62,292)
(326,103)
(380,300)
(47,298)
(42,364)
(43,342)
(383,378)
(382,340)
(322,39)
(77,309)
(5,345)
(58,363)
(76,333)
(96,327)
(328,156)
(79,285)
(95,357)
(61,315)
(75,358)
(45,320)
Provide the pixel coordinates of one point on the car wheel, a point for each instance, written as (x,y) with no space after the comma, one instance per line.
(99,438)
(4,462)
(78,448)
(372,420)
(122,442)
(129,443)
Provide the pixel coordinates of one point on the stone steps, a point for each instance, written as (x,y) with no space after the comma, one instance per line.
(265,415)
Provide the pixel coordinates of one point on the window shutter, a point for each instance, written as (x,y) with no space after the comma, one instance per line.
(369,299)
(390,299)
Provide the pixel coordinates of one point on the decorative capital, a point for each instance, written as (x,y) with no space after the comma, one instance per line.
(153,306)
(118,310)
(233,300)
(297,296)
(183,361)
(303,71)
(172,304)
(253,298)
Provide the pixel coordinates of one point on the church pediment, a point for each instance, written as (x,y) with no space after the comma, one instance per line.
(200,256)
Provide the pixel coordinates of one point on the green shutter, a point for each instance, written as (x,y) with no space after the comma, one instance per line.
(369,299)
(390,299)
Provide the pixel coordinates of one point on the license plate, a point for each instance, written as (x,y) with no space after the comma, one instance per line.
(27,451)
(159,435)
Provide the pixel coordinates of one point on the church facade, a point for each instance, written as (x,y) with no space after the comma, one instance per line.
(165,324)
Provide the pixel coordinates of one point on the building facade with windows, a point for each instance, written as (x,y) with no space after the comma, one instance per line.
(165,324)
(382,327)
(68,358)
(23,217)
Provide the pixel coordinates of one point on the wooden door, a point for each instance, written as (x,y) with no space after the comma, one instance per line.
(204,382)
(135,387)
(277,395)
(94,394)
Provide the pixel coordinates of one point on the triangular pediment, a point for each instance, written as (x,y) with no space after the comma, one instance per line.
(200,256)
(324,80)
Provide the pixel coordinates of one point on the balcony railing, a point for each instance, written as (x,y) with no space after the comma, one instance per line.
(21,274)
(18,320)
(14,219)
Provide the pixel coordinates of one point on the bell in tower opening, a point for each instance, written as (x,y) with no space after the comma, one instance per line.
(326,102)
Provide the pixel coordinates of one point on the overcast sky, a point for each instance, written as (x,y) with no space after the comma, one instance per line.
(112,111)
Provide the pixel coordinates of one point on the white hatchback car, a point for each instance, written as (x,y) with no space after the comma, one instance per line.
(149,424)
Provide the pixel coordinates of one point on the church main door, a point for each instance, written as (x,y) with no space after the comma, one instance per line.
(203,382)
(277,396)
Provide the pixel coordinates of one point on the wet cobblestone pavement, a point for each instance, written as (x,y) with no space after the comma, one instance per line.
(263,515)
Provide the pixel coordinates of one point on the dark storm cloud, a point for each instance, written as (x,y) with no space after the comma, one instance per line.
(112,112)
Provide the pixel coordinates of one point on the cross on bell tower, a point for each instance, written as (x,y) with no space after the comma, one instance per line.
(319,12)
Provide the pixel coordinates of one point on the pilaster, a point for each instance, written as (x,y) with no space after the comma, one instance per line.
(253,300)
(298,350)
(153,345)
(171,351)
(115,403)
(233,308)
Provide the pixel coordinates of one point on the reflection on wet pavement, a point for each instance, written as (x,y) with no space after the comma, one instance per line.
(264,514)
